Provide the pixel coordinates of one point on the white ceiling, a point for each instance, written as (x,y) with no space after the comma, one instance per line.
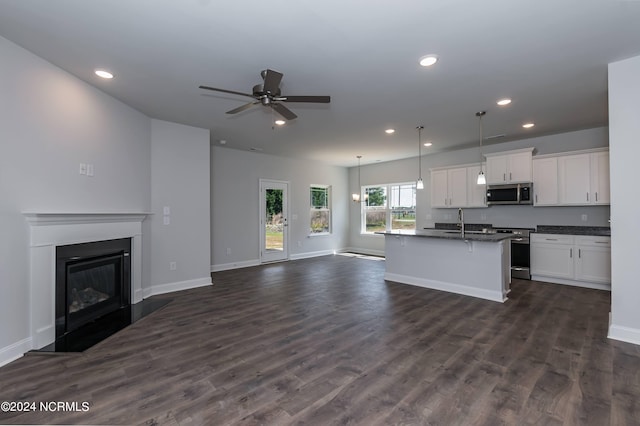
(549,56)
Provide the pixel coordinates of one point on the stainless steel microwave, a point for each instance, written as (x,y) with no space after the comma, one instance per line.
(517,193)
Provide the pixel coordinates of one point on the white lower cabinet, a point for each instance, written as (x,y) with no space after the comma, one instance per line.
(594,259)
(571,259)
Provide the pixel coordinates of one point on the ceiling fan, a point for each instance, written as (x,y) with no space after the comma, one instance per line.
(268,94)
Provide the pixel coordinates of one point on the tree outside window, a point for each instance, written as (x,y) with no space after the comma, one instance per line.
(389,207)
(320,209)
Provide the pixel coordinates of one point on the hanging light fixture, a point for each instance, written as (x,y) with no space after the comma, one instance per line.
(482,180)
(356,196)
(419,183)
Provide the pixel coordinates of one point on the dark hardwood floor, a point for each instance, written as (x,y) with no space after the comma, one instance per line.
(327,341)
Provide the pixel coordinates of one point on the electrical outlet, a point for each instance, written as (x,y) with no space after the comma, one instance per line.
(173,266)
(584,217)
(299,243)
(166,220)
(228,251)
(166,210)
(83,169)
(89,169)
(483,216)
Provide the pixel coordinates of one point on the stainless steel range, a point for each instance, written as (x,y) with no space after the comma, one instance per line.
(520,252)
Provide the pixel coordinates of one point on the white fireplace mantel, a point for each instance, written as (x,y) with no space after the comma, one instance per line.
(51,229)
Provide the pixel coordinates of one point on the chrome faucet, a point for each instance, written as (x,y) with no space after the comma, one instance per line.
(461,220)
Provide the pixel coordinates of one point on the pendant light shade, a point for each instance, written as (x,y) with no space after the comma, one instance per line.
(420,183)
(482,180)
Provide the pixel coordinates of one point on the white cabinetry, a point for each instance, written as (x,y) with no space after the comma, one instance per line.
(449,187)
(567,259)
(509,167)
(457,187)
(600,178)
(583,179)
(594,259)
(545,181)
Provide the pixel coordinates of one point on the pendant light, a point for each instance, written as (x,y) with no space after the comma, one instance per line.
(482,180)
(356,196)
(420,184)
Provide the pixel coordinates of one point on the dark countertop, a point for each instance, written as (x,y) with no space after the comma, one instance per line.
(452,235)
(600,231)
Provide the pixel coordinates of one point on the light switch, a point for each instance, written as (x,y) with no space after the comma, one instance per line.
(83,169)
(89,169)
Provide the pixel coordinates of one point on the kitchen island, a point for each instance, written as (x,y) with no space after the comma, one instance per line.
(474,263)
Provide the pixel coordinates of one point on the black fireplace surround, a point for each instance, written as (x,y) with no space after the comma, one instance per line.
(93,280)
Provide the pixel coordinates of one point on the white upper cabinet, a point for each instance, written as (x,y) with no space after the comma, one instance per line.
(574,176)
(449,187)
(600,178)
(457,187)
(510,167)
(545,181)
(583,179)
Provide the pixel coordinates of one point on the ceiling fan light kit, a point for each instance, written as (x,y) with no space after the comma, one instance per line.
(268,94)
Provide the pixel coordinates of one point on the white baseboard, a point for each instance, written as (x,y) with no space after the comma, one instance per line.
(494,296)
(14,351)
(177,286)
(624,334)
(364,251)
(311,254)
(553,280)
(234,265)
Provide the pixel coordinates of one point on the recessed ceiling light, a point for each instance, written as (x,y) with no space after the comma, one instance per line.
(428,144)
(503,102)
(427,61)
(528,125)
(390,131)
(104,74)
(279,122)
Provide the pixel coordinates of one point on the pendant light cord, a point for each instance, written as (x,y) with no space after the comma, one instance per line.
(480,115)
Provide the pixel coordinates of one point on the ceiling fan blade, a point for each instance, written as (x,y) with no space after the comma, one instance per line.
(242,108)
(284,111)
(313,99)
(272,81)
(226,91)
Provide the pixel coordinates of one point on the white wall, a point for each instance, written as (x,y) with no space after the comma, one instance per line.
(235,205)
(49,123)
(624,131)
(516,216)
(179,180)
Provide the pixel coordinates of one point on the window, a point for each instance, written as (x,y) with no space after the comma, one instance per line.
(389,207)
(320,209)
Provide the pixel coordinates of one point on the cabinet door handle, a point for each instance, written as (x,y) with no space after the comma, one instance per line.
(510,178)
(596,197)
(570,252)
(504,177)
(587,196)
(536,198)
(579,253)
(601,242)
(551,239)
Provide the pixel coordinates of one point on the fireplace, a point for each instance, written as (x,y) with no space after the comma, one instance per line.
(93,280)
